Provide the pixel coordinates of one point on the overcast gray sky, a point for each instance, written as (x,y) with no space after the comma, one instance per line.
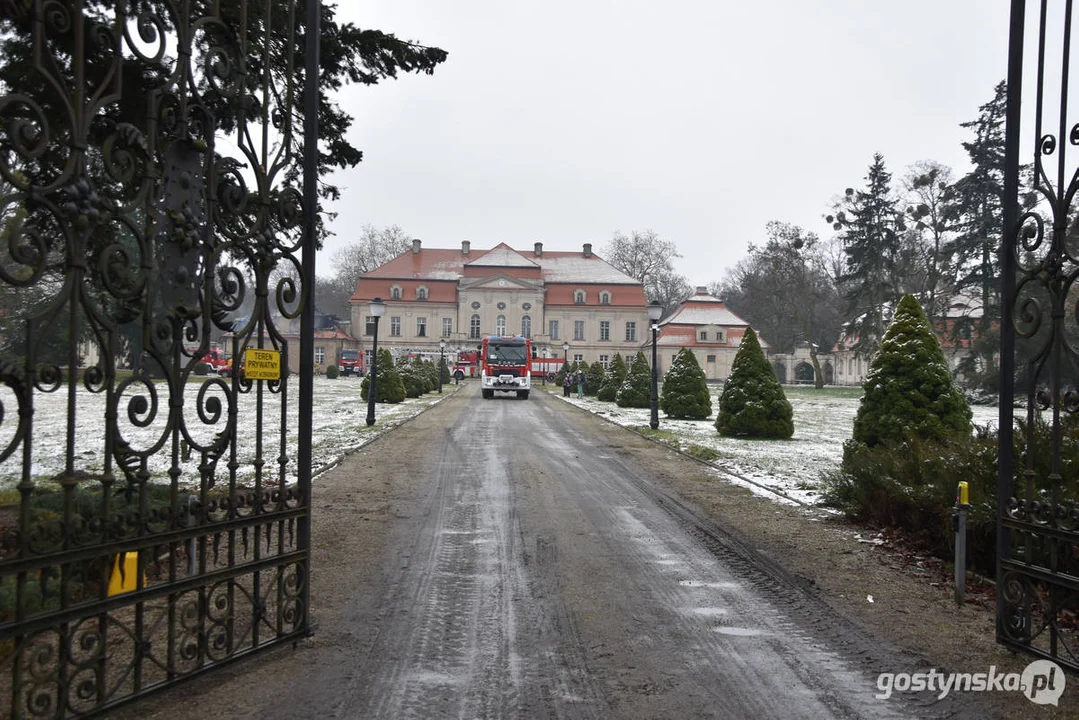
(563,121)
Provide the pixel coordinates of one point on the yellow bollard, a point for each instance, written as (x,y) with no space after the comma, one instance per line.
(124,581)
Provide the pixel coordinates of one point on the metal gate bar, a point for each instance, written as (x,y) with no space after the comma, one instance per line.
(147,212)
(1038,517)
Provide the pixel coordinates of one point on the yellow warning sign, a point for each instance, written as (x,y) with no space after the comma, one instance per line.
(262,364)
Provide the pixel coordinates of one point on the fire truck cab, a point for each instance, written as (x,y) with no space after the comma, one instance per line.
(506,366)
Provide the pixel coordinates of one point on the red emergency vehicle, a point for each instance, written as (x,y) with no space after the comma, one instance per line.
(506,365)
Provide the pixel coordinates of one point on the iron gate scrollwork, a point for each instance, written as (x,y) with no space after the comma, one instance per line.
(1038,486)
(156,199)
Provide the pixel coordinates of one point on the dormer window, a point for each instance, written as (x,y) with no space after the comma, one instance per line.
(704,336)
(421,293)
(395,292)
(578,297)
(604,298)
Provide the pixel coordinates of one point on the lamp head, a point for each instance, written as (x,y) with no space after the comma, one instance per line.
(441,344)
(377,307)
(655,311)
(565,346)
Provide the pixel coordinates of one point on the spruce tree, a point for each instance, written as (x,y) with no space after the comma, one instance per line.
(870,225)
(389,387)
(979,206)
(752,403)
(685,389)
(613,379)
(636,389)
(593,378)
(909,391)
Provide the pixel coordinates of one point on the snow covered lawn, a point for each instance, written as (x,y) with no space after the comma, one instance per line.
(822,422)
(339,427)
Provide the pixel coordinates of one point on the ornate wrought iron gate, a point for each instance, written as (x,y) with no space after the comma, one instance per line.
(1038,520)
(156,196)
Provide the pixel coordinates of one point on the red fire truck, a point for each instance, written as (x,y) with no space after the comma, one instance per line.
(466,365)
(506,366)
(350,362)
(215,358)
(546,367)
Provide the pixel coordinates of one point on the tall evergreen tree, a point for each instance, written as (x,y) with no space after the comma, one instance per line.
(909,389)
(979,204)
(636,389)
(593,378)
(612,380)
(685,389)
(389,387)
(870,226)
(753,403)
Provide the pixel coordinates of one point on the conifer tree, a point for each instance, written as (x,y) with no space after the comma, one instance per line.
(593,378)
(870,223)
(636,389)
(752,402)
(685,389)
(909,390)
(389,388)
(613,379)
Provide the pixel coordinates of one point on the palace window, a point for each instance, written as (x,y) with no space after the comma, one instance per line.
(604,329)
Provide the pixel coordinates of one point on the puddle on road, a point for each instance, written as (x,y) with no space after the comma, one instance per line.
(738,631)
(710,611)
(707,584)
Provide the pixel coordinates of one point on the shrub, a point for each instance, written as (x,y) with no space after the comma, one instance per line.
(593,378)
(911,485)
(389,388)
(685,389)
(636,389)
(332,371)
(909,390)
(413,380)
(612,379)
(752,403)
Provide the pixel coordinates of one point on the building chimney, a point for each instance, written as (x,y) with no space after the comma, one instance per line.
(415,246)
(465,247)
(588,249)
(539,249)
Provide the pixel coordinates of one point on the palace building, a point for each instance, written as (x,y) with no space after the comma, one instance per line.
(462,295)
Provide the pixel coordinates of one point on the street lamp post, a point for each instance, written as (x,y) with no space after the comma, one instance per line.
(544,373)
(441,362)
(378,309)
(655,310)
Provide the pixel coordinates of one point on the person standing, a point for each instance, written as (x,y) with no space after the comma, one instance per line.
(567,381)
(580,384)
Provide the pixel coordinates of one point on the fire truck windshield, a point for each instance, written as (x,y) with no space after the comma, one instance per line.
(506,354)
